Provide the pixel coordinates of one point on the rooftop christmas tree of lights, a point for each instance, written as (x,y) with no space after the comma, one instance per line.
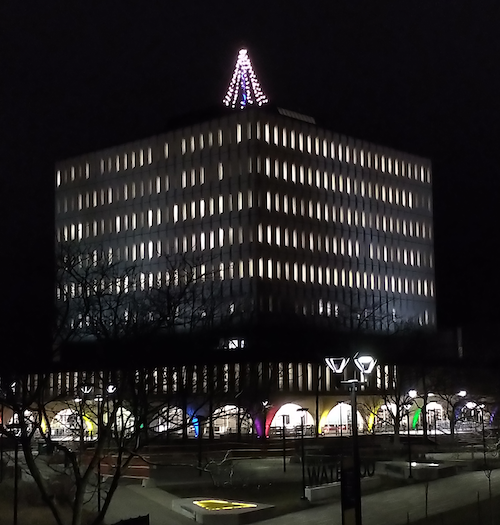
(244,87)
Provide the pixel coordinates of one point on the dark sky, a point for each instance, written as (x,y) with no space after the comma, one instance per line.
(419,76)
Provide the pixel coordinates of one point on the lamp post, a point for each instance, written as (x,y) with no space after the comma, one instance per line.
(98,399)
(1,444)
(350,470)
(285,417)
(201,420)
(87,390)
(409,439)
(302,450)
(16,425)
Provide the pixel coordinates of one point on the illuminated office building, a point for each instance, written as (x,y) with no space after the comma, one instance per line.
(292,218)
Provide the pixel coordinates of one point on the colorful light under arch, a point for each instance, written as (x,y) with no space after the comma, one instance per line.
(244,88)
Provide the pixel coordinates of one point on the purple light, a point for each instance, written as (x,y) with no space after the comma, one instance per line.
(244,87)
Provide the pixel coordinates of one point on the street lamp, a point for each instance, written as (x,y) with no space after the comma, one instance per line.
(302,451)
(99,400)
(200,420)
(286,419)
(350,469)
(407,407)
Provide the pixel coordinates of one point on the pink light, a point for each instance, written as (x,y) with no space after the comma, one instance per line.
(244,86)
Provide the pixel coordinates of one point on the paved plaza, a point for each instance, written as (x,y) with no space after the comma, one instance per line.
(397,506)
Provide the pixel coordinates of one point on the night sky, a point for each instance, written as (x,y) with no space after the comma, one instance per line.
(418,76)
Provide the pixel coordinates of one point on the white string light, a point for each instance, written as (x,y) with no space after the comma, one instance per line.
(244,87)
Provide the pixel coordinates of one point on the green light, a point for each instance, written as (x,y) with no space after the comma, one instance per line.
(415,418)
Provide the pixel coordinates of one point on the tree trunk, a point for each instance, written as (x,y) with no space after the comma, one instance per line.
(424,408)
(37,476)
(78,504)
(397,426)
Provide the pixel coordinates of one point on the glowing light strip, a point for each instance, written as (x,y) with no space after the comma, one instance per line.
(222,504)
(244,86)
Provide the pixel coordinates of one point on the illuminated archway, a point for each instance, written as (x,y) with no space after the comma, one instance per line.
(168,420)
(385,417)
(435,415)
(225,420)
(124,420)
(339,419)
(291,414)
(471,417)
(14,422)
(69,423)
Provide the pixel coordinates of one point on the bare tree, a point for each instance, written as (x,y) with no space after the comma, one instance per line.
(105,421)
(397,382)
(369,408)
(100,298)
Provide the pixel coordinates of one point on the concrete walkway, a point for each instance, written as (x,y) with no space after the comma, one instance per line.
(394,507)
(131,501)
(391,507)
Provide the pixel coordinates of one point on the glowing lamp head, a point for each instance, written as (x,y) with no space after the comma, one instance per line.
(337,364)
(86,389)
(462,393)
(365,363)
(413,394)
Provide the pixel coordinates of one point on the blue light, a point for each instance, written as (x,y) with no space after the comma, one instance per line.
(196,425)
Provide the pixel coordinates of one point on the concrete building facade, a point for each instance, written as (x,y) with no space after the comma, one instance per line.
(287,217)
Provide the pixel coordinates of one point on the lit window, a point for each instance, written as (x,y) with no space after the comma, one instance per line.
(221,171)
